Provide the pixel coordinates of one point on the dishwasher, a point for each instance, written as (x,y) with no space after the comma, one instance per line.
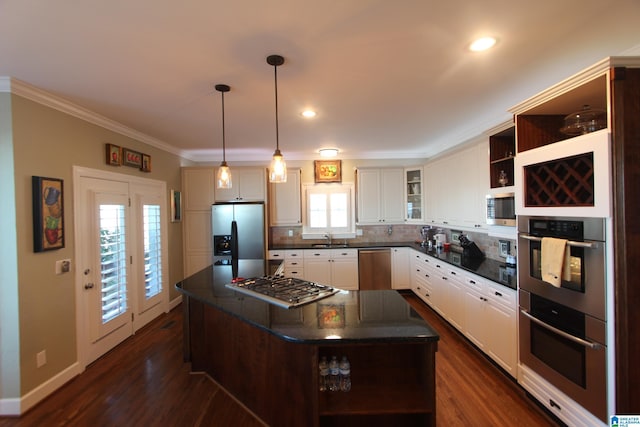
(374,269)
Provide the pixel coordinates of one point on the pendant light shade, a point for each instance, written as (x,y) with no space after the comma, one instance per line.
(278,167)
(223,177)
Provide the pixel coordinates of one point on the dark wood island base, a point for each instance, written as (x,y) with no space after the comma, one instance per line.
(267,357)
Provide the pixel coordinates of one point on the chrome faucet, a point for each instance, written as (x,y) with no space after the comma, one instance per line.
(328,237)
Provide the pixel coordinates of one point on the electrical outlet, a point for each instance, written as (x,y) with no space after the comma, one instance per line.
(505,248)
(41,359)
(63,266)
(290,233)
(359,232)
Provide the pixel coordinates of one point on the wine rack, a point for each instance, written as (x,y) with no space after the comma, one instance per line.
(563,182)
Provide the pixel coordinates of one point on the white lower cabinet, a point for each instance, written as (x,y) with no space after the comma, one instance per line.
(556,401)
(292,259)
(333,267)
(483,311)
(400,268)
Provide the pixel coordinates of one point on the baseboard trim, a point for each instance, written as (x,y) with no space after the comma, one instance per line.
(9,407)
(175,302)
(36,395)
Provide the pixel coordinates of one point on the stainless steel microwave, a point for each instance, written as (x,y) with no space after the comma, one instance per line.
(501,209)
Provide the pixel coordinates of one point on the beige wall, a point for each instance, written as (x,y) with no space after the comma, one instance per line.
(49,143)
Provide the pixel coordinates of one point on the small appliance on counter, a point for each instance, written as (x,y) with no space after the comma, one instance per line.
(469,248)
(441,239)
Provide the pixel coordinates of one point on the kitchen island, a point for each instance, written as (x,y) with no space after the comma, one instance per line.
(267,356)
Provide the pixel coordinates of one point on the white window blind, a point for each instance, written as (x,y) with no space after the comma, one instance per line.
(152,251)
(113,261)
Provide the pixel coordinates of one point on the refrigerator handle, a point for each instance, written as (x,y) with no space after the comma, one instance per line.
(234,240)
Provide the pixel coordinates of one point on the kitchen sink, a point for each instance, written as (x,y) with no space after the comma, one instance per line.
(329,246)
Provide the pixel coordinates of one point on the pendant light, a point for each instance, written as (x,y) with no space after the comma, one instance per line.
(223,177)
(278,167)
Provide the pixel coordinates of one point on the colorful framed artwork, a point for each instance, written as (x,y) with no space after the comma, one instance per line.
(328,170)
(176,206)
(331,316)
(131,158)
(114,155)
(146,163)
(48,213)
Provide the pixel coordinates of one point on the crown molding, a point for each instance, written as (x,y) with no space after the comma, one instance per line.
(578,79)
(25,90)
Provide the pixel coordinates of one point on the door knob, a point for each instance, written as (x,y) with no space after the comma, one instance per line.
(88,286)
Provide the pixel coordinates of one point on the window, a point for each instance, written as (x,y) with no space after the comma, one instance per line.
(152,251)
(329,210)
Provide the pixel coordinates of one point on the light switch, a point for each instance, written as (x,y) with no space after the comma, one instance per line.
(63,266)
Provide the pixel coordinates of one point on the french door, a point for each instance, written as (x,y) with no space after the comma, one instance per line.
(121,250)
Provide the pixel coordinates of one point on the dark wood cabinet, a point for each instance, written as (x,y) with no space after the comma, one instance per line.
(502,150)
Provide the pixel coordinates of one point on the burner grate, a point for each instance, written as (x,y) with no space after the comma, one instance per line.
(286,292)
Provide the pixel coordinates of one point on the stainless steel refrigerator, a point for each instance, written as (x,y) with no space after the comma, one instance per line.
(238,232)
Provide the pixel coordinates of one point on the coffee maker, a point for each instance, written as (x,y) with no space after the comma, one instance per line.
(427,236)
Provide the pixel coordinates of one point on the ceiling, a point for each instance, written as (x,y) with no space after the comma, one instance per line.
(389,79)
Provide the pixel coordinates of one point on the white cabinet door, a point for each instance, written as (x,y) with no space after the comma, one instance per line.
(503,342)
(198,252)
(380,196)
(474,161)
(317,266)
(475,307)
(333,267)
(392,182)
(198,188)
(344,273)
(400,268)
(436,198)
(414,194)
(455,188)
(248,185)
(455,295)
(369,196)
(284,201)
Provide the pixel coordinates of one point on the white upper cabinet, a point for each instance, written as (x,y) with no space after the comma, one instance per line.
(380,196)
(198,188)
(284,200)
(414,194)
(248,185)
(456,186)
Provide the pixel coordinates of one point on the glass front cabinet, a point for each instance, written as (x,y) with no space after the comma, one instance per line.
(413,194)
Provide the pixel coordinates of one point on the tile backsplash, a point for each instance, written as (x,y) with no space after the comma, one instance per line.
(394,233)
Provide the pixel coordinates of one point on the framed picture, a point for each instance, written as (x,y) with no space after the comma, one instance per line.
(176,206)
(48,213)
(328,170)
(131,158)
(146,163)
(114,155)
(330,316)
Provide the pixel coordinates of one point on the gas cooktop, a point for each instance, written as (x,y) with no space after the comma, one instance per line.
(287,292)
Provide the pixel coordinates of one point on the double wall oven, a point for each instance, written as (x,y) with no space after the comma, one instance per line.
(563,329)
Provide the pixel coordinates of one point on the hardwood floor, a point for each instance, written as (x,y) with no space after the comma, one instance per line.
(143,382)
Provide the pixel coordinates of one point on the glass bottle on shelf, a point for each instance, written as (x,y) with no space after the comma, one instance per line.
(502,178)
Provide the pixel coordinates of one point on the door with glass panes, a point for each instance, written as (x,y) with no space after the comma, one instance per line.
(121,252)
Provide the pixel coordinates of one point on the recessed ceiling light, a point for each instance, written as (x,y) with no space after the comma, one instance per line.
(328,152)
(308,114)
(482,43)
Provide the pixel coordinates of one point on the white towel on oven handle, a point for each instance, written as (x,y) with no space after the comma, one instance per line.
(555,261)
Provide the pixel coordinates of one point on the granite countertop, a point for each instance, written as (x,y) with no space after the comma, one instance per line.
(346,317)
(487,268)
